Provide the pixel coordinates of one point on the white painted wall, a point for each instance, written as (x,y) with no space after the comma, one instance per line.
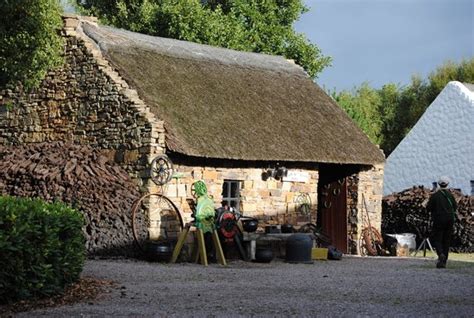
(441,143)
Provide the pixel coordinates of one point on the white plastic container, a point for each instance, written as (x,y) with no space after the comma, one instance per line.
(408,239)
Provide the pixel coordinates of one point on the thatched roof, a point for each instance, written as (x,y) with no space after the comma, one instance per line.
(220,103)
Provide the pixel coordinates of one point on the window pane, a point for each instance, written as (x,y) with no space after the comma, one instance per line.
(225,189)
(234,190)
(235,204)
(231,193)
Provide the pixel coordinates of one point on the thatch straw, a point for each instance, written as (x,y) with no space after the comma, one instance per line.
(220,103)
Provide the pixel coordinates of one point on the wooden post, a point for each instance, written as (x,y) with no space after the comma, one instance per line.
(202,247)
(218,247)
(202,255)
(179,245)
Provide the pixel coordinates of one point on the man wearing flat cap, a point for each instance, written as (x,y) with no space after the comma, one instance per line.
(442,207)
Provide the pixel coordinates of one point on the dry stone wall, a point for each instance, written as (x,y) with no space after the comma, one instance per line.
(84,102)
(352,213)
(369,197)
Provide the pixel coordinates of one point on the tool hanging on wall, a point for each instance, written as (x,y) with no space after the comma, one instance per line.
(303,205)
(371,240)
(161,170)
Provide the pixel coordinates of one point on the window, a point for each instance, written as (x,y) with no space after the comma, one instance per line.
(231,193)
(472,187)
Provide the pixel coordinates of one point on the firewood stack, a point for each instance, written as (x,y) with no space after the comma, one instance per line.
(405,212)
(83,179)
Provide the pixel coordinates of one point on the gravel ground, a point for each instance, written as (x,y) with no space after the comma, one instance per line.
(354,287)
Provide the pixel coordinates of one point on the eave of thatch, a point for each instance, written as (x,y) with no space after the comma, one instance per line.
(220,103)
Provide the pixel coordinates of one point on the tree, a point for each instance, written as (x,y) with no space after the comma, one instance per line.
(263,26)
(386,115)
(30,43)
(362,106)
(389,117)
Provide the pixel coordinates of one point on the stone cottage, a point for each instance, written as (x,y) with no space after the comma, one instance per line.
(222,116)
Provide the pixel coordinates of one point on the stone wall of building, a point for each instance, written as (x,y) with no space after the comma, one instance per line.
(369,197)
(84,102)
(271,201)
(275,201)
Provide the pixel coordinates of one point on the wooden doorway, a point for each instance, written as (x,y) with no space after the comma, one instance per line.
(332,204)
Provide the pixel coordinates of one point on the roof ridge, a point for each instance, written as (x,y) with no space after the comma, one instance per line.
(466,90)
(106,36)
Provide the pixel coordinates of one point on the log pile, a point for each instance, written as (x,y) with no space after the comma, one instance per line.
(80,177)
(405,212)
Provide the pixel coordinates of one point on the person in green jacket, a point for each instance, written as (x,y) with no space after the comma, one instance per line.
(442,207)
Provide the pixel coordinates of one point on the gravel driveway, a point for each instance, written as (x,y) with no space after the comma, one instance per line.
(351,287)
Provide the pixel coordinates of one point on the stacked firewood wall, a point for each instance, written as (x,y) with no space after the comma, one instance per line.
(82,178)
(352,220)
(405,212)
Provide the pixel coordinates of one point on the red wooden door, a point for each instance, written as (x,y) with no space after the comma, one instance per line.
(332,206)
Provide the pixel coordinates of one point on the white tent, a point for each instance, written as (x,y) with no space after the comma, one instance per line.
(440,144)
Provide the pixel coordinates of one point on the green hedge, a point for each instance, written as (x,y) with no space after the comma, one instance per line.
(41,248)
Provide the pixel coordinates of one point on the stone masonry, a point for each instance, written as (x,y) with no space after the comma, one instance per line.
(84,102)
(87,102)
(271,201)
(369,197)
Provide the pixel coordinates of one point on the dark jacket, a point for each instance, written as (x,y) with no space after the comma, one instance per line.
(442,206)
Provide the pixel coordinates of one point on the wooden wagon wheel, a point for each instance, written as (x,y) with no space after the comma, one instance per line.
(140,220)
(198,189)
(370,242)
(161,170)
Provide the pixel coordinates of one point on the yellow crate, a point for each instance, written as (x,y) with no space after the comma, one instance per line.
(319,253)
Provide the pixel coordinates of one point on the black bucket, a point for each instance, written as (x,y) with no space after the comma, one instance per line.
(158,251)
(250,225)
(298,249)
(264,255)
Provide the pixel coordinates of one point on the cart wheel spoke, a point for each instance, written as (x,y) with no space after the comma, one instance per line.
(161,170)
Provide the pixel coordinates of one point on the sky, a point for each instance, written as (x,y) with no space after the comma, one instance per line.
(387,41)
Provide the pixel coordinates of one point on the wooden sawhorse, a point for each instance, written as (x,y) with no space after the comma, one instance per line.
(201,245)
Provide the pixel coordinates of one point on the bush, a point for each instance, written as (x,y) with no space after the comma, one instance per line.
(41,246)
(30,43)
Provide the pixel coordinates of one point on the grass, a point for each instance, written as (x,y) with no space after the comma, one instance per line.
(464,257)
